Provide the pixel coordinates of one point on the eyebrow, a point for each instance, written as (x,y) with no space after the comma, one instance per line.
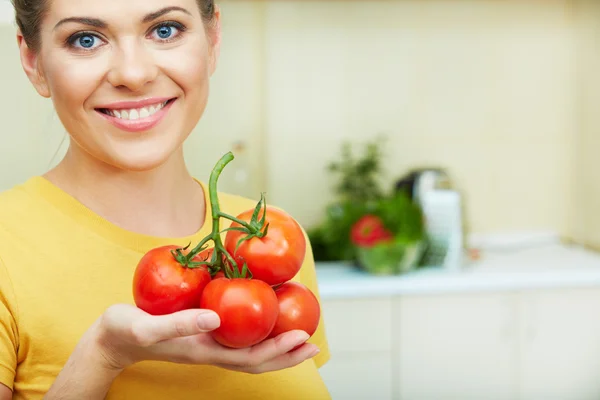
(98,23)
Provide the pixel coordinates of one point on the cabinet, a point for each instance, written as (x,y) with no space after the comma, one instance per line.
(456,347)
(360,340)
(512,345)
(359,377)
(560,345)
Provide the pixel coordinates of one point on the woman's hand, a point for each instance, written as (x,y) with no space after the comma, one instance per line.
(125,335)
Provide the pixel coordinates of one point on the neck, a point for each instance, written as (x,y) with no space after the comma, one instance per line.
(164,202)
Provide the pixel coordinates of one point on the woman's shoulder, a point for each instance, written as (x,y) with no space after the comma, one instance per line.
(17,199)
(234,204)
(23,210)
(230,202)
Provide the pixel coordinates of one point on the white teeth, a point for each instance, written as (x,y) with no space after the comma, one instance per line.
(144,113)
(138,113)
(134,114)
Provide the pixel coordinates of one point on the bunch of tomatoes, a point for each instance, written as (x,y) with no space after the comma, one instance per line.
(245,278)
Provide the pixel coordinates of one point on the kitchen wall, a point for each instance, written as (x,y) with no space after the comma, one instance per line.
(484,88)
(586,222)
(487,88)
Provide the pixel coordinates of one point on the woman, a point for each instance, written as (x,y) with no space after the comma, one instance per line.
(129,81)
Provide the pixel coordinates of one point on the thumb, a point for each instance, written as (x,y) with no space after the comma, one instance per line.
(152,329)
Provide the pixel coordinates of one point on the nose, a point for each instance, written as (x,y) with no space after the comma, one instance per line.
(132,67)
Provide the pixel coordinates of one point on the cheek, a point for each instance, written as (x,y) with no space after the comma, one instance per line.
(191,71)
(72,81)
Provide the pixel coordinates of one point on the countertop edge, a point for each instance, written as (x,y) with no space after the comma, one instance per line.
(345,282)
(354,290)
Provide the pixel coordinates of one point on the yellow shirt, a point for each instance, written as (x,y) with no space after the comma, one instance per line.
(62,265)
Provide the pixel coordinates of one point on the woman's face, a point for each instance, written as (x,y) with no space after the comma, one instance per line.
(129,79)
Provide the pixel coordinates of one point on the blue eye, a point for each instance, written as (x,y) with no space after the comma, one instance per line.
(84,41)
(165,31)
(87,41)
(168,31)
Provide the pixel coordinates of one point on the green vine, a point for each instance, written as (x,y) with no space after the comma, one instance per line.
(221,259)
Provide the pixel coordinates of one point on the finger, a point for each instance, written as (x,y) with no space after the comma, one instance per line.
(283,361)
(262,352)
(290,359)
(151,329)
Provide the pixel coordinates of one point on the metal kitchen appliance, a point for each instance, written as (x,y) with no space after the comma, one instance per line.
(442,207)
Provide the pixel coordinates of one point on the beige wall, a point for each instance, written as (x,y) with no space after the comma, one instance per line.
(586,222)
(487,89)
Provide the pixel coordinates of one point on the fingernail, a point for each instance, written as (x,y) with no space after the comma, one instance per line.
(208,320)
(302,337)
(315,352)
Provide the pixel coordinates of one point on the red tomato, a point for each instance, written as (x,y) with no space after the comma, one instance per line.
(161,285)
(247,307)
(298,309)
(219,274)
(275,258)
(368,231)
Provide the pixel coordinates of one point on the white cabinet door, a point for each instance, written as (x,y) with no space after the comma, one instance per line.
(351,376)
(359,332)
(561,345)
(358,325)
(457,347)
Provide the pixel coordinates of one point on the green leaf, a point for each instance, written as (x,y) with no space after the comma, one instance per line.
(265,231)
(257,208)
(238,229)
(242,240)
(246,273)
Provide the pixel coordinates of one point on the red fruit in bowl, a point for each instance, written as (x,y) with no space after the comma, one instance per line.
(368,231)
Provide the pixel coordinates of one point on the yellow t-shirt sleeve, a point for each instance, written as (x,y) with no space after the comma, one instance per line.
(308,276)
(8,330)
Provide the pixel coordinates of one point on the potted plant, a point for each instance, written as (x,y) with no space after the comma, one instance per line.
(377,230)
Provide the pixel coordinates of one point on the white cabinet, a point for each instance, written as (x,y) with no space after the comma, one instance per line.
(512,345)
(560,345)
(360,339)
(456,347)
(359,377)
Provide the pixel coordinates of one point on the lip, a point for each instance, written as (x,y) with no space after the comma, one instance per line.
(120,105)
(142,124)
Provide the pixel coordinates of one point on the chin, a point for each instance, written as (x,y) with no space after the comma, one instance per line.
(140,161)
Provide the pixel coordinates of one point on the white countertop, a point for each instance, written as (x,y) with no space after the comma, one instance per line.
(543,266)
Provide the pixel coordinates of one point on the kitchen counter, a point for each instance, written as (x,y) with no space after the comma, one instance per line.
(539,267)
(520,323)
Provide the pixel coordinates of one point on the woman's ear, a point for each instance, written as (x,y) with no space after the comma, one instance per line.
(31,66)
(214,32)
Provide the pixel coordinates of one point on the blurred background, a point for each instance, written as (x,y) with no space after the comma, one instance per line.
(442,156)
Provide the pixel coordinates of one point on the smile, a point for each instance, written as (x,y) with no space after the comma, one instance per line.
(136,117)
(134,113)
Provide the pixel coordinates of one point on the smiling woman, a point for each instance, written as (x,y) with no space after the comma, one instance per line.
(88,61)
(129,82)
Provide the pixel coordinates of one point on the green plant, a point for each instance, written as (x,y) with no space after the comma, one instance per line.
(330,239)
(402,216)
(359,177)
(360,190)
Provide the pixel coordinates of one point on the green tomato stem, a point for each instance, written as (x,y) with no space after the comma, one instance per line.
(216,214)
(246,225)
